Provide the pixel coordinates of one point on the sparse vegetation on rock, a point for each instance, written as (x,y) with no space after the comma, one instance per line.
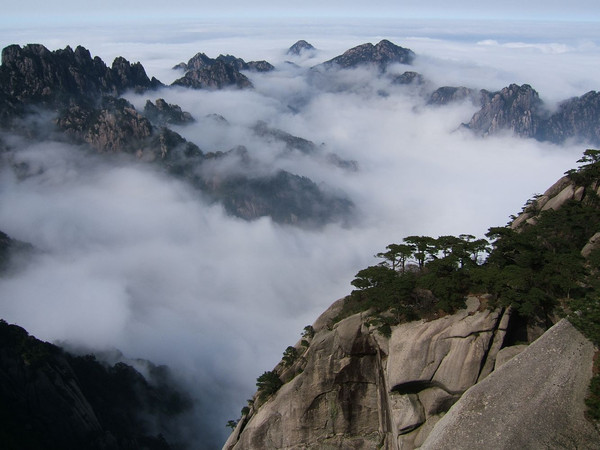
(517,284)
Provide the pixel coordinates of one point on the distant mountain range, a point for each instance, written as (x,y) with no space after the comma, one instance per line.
(84,96)
(351,397)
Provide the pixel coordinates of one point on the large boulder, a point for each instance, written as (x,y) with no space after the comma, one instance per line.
(534,401)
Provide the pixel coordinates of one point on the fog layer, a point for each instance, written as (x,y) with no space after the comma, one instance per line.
(133,259)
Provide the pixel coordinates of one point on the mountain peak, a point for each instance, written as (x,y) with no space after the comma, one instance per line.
(300,47)
(382,54)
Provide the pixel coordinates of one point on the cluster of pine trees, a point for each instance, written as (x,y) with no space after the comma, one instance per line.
(537,269)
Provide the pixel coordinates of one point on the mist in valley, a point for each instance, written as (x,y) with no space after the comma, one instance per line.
(130,258)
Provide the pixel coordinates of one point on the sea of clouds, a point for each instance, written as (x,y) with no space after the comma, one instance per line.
(133,259)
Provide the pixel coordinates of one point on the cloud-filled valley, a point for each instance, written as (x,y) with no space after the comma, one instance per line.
(132,258)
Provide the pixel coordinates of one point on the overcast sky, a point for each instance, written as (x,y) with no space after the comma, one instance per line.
(15,12)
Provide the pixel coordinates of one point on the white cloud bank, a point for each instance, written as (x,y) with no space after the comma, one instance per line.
(136,260)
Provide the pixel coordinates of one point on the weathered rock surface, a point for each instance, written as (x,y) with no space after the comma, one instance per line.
(519,109)
(114,127)
(514,108)
(203,72)
(447,353)
(200,60)
(592,245)
(50,399)
(548,381)
(578,117)
(381,55)
(215,76)
(35,75)
(508,353)
(240,64)
(353,388)
(343,408)
(564,190)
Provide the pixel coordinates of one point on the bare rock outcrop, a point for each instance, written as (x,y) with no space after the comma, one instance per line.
(514,108)
(381,55)
(592,244)
(200,61)
(215,76)
(352,388)
(203,72)
(32,74)
(562,191)
(409,77)
(548,381)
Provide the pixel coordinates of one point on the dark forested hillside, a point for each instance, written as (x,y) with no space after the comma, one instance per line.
(51,399)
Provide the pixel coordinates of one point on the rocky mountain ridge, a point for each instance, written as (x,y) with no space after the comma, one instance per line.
(515,109)
(381,55)
(518,109)
(83,97)
(352,388)
(33,75)
(54,77)
(203,72)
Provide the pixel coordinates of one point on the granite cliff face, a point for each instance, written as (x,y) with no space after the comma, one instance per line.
(215,76)
(577,118)
(463,380)
(163,114)
(514,108)
(353,388)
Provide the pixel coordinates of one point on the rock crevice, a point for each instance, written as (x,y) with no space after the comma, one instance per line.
(362,390)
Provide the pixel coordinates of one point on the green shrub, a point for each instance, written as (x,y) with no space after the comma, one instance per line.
(268,383)
(290,355)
